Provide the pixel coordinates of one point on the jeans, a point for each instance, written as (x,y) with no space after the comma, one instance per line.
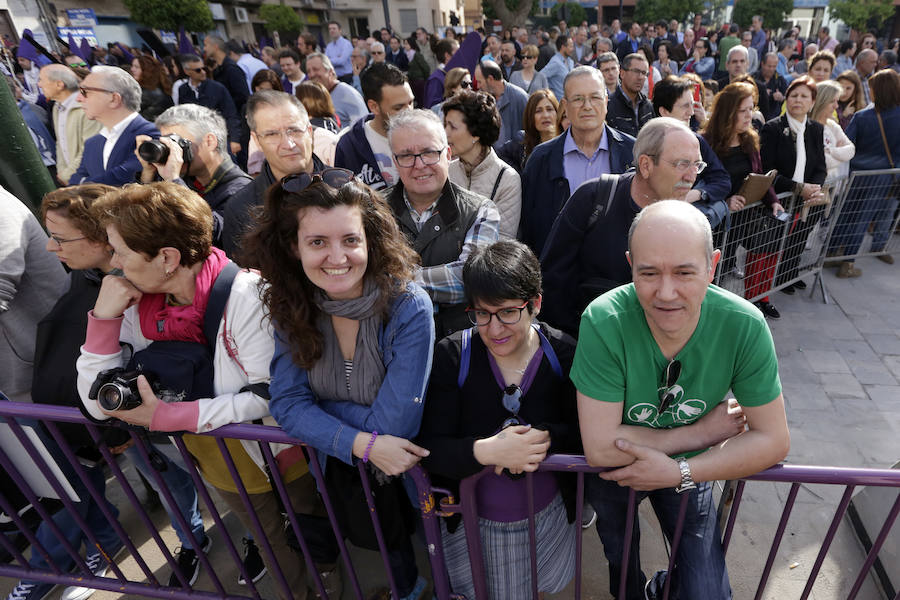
(860,210)
(183,491)
(884,223)
(93,517)
(699,570)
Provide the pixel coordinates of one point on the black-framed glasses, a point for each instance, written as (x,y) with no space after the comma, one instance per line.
(512,401)
(670,377)
(60,241)
(333,176)
(429,157)
(640,72)
(85,89)
(508,316)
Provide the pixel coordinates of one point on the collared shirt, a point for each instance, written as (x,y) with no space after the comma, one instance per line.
(338,52)
(579,167)
(250,65)
(444,282)
(63,116)
(112,135)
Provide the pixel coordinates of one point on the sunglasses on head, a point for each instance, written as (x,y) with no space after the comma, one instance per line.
(332,176)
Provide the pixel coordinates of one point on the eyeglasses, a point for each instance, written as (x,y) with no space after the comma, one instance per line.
(640,72)
(685,164)
(194,70)
(670,377)
(583,100)
(512,402)
(85,89)
(429,157)
(332,176)
(508,316)
(465,84)
(295,134)
(59,241)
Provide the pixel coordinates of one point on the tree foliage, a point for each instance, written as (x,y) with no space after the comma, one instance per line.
(861,14)
(576,13)
(280,18)
(512,13)
(170,15)
(650,11)
(772,12)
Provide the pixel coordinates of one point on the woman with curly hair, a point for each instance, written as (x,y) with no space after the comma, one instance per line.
(472,122)
(353,340)
(156,88)
(539,125)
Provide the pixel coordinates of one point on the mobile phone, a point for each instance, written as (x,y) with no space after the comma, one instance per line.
(783,216)
(696,92)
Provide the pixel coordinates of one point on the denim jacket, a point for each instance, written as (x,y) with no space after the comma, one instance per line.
(406,341)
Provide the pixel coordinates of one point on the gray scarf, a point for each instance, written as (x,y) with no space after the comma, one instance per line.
(326,377)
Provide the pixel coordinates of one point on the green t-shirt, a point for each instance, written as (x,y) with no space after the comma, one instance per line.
(618,360)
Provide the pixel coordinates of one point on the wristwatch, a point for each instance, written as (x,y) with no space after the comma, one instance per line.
(687,482)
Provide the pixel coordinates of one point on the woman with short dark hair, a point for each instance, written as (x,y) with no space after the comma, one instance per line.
(472,122)
(500,397)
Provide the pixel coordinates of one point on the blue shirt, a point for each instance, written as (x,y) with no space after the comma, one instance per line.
(579,167)
(555,71)
(511,106)
(338,52)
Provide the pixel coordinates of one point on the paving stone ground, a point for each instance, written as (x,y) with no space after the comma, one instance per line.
(840,368)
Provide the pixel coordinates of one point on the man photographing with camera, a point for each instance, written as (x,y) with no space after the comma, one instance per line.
(192,151)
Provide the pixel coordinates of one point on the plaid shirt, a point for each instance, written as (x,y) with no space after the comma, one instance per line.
(444,282)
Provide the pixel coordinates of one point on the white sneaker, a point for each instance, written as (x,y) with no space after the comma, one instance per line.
(98,566)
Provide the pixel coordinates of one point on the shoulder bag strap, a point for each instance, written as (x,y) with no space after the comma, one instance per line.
(606,189)
(549,353)
(884,138)
(465,356)
(497,182)
(218,298)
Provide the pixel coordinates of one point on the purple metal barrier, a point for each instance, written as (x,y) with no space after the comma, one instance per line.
(796,475)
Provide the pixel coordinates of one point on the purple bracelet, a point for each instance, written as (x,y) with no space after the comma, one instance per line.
(371,443)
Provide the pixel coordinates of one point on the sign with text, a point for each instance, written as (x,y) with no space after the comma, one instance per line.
(81,17)
(79,33)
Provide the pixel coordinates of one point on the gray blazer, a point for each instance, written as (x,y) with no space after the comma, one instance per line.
(31,281)
(538,83)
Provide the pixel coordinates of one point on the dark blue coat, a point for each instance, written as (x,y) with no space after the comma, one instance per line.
(215,96)
(545,188)
(353,152)
(122,164)
(234,79)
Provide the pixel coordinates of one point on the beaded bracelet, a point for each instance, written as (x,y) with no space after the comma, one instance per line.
(371,443)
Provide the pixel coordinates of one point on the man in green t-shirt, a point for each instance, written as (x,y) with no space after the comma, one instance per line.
(654,363)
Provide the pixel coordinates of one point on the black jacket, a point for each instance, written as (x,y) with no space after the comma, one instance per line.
(763,103)
(239,211)
(154,103)
(234,79)
(214,95)
(227,181)
(776,84)
(620,112)
(778,151)
(353,152)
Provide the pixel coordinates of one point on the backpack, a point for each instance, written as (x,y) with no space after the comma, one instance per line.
(466,354)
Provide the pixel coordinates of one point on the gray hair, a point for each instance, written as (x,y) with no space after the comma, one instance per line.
(326,62)
(217,41)
(583,71)
(738,50)
(683,211)
(189,59)
(64,74)
(630,58)
(198,120)
(650,138)
(417,119)
(606,57)
(374,46)
(272,98)
(122,83)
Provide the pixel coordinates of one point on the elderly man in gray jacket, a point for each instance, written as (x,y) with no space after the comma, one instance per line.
(31,281)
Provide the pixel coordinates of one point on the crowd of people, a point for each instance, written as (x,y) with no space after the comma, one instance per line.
(468,252)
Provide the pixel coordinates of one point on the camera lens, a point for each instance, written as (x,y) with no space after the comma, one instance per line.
(111,396)
(154,151)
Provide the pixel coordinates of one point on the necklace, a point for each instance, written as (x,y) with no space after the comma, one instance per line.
(532,348)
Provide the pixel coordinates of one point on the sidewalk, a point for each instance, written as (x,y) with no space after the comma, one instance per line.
(840,369)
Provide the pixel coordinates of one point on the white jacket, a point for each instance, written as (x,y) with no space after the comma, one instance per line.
(253,344)
(508,197)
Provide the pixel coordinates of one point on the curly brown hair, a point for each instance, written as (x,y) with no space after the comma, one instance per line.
(480,114)
(153,76)
(721,124)
(288,294)
(74,203)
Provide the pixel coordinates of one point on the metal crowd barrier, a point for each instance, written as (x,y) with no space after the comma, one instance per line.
(857,217)
(19,416)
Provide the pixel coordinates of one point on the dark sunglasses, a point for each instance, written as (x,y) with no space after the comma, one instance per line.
(670,377)
(465,84)
(512,395)
(332,176)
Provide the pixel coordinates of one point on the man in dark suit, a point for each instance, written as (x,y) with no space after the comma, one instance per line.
(112,97)
(736,64)
(211,94)
(630,44)
(588,149)
(227,72)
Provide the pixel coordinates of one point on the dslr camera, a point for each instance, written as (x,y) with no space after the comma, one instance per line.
(154,151)
(116,389)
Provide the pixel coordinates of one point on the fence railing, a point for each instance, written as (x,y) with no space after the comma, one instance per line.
(857,217)
(72,473)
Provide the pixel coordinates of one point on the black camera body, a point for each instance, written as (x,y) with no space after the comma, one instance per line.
(154,151)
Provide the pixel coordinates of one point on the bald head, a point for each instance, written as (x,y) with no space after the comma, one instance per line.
(675,221)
